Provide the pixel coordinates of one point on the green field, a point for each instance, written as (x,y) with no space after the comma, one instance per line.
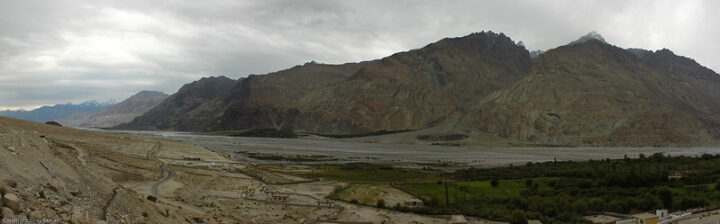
(376,175)
(373,173)
(367,194)
(472,189)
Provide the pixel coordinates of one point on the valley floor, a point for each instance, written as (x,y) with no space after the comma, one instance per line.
(413,155)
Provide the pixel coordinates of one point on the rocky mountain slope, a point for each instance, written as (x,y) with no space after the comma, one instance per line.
(593,93)
(49,113)
(119,113)
(188,104)
(479,89)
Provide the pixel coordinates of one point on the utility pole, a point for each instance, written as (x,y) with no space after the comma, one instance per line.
(447,199)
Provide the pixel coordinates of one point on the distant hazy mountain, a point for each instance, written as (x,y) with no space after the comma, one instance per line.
(479,89)
(50,113)
(119,113)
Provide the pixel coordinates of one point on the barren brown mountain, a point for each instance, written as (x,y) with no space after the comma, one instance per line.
(179,109)
(479,89)
(409,90)
(596,94)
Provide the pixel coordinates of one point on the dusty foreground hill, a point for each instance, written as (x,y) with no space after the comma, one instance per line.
(482,88)
(78,176)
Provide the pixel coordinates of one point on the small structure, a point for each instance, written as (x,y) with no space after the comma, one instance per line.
(326,203)
(280,197)
(662,214)
(626,221)
(646,218)
(457,219)
(675,176)
(269,190)
(413,203)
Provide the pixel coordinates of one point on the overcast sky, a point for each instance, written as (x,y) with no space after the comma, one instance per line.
(64,51)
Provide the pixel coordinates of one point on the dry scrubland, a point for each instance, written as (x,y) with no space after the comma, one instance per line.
(79,176)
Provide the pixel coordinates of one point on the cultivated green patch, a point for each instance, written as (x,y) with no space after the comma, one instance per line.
(371,173)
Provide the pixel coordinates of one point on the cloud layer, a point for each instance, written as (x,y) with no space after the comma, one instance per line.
(73,50)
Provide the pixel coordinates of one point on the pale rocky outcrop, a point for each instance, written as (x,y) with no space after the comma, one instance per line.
(12,201)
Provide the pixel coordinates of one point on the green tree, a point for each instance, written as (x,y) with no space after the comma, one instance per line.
(518,217)
(666,197)
(658,157)
(580,207)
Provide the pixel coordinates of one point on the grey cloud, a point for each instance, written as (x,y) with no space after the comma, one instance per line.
(72,51)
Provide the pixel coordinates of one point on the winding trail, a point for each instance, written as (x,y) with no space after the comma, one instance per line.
(152,155)
(168,174)
(107,205)
(81,153)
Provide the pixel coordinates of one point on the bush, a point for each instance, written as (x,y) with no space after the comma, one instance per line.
(494,183)
(152,198)
(580,207)
(518,217)
(337,189)
(381,203)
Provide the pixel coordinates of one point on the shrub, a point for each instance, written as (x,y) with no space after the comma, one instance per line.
(381,203)
(518,217)
(580,207)
(494,183)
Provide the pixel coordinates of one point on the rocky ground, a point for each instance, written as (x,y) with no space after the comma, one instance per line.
(75,176)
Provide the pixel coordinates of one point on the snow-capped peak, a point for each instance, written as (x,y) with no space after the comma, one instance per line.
(590,36)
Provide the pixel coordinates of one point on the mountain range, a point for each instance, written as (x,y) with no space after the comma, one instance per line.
(482,89)
(119,113)
(50,113)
